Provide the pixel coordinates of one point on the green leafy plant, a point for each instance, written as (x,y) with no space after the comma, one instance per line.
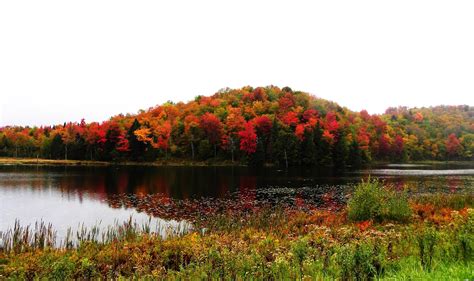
(372,201)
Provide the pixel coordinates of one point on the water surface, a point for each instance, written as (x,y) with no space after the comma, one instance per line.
(69,196)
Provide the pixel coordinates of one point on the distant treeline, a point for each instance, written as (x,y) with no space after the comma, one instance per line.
(256,126)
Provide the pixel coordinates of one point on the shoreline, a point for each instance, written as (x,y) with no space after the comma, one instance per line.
(9,161)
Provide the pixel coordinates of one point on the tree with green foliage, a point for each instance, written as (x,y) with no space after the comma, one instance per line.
(340,150)
(308,149)
(286,146)
(323,148)
(57,147)
(355,155)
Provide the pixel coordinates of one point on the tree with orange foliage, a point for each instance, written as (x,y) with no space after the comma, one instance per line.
(191,131)
(68,136)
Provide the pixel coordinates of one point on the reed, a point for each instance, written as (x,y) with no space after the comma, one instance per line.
(21,239)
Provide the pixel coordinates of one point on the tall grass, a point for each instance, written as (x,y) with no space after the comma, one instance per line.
(19,239)
(25,238)
(373,201)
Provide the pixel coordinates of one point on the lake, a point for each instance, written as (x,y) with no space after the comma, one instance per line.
(70,196)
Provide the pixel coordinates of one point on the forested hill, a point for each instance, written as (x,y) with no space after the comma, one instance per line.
(256,126)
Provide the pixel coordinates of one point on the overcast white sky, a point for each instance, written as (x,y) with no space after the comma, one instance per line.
(64,60)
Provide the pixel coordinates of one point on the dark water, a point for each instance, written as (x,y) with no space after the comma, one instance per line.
(67,196)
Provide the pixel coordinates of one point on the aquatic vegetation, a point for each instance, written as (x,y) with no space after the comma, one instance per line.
(21,239)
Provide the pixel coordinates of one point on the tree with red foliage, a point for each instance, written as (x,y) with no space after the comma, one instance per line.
(299,131)
(286,102)
(384,146)
(363,139)
(328,136)
(248,139)
(380,125)
(331,123)
(453,145)
(310,114)
(94,135)
(123,144)
(290,118)
(397,147)
(212,127)
(263,124)
(163,136)
(259,94)
(364,115)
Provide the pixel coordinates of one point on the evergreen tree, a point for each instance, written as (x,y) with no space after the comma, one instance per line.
(323,148)
(273,139)
(112,138)
(137,148)
(308,149)
(57,147)
(340,151)
(355,155)
(77,148)
(258,158)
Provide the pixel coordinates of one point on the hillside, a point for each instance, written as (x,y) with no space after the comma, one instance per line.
(256,126)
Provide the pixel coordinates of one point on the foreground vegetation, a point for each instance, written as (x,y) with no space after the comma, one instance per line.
(427,238)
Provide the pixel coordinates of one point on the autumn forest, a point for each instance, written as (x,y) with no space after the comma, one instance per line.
(256,126)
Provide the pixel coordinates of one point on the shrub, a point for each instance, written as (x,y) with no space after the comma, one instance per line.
(372,201)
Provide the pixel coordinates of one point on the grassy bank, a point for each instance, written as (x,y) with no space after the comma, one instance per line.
(55,162)
(175,162)
(395,240)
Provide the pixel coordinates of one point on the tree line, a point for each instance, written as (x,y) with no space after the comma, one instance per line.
(256,126)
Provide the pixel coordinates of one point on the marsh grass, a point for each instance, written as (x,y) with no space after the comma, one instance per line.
(439,201)
(42,236)
(374,201)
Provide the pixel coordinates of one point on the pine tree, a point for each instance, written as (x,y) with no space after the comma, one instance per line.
(340,151)
(323,148)
(78,148)
(137,148)
(355,155)
(258,158)
(57,147)
(308,149)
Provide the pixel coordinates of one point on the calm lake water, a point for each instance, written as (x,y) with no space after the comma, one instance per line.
(69,196)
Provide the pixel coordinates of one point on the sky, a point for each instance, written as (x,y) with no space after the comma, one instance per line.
(67,60)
